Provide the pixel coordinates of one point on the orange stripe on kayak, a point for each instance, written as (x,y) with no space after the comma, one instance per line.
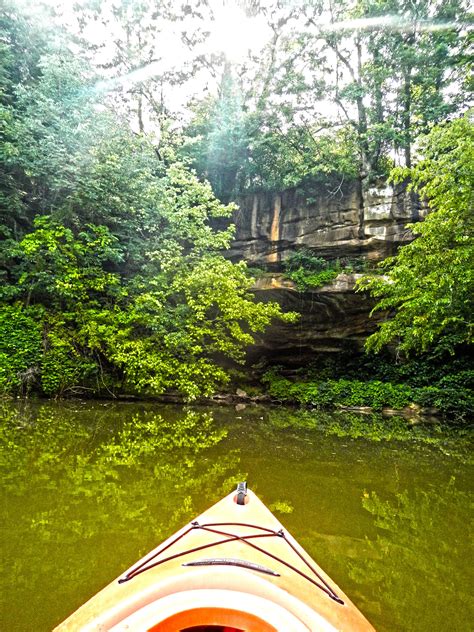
(231,620)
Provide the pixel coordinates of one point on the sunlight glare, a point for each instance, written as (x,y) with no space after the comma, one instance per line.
(234,34)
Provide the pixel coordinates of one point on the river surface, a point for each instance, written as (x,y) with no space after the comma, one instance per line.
(89,487)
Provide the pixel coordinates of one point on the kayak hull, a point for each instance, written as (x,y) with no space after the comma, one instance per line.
(236,567)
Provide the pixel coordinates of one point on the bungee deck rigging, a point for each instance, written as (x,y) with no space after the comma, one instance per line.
(231,537)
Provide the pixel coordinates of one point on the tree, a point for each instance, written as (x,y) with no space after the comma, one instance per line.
(393,65)
(216,141)
(260,131)
(134,60)
(428,288)
(339,89)
(115,258)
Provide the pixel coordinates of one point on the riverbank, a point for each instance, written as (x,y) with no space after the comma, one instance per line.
(415,404)
(373,395)
(416,389)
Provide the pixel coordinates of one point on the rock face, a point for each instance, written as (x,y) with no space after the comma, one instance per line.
(344,223)
(333,319)
(333,224)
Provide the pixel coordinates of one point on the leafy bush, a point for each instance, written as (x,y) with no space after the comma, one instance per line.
(255,273)
(428,287)
(308,271)
(20,349)
(451,396)
(119,255)
(305,280)
(304,258)
(449,401)
(330,393)
(63,367)
(351,379)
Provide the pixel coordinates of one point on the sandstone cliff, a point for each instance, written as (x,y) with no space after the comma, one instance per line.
(332,224)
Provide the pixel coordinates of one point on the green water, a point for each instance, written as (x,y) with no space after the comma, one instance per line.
(91,486)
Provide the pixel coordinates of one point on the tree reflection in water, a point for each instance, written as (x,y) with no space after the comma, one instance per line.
(101,489)
(91,486)
(415,563)
(452,440)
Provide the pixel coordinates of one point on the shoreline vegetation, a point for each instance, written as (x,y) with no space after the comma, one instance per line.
(415,405)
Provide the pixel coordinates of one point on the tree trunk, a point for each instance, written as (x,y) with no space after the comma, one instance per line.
(141,127)
(406,116)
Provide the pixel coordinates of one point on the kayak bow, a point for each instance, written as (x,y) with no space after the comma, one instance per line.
(234,568)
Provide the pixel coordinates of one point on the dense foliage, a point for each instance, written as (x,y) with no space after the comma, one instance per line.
(112,276)
(324,92)
(308,271)
(428,288)
(336,92)
(239,150)
(451,396)
(433,382)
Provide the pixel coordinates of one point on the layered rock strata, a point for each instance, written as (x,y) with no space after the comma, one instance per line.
(340,223)
(346,222)
(333,319)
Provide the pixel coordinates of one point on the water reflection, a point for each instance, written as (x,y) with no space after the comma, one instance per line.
(421,552)
(91,486)
(97,488)
(454,441)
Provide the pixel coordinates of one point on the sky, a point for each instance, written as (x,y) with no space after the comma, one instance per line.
(231,32)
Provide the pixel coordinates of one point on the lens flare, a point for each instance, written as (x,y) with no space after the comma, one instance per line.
(392,23)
